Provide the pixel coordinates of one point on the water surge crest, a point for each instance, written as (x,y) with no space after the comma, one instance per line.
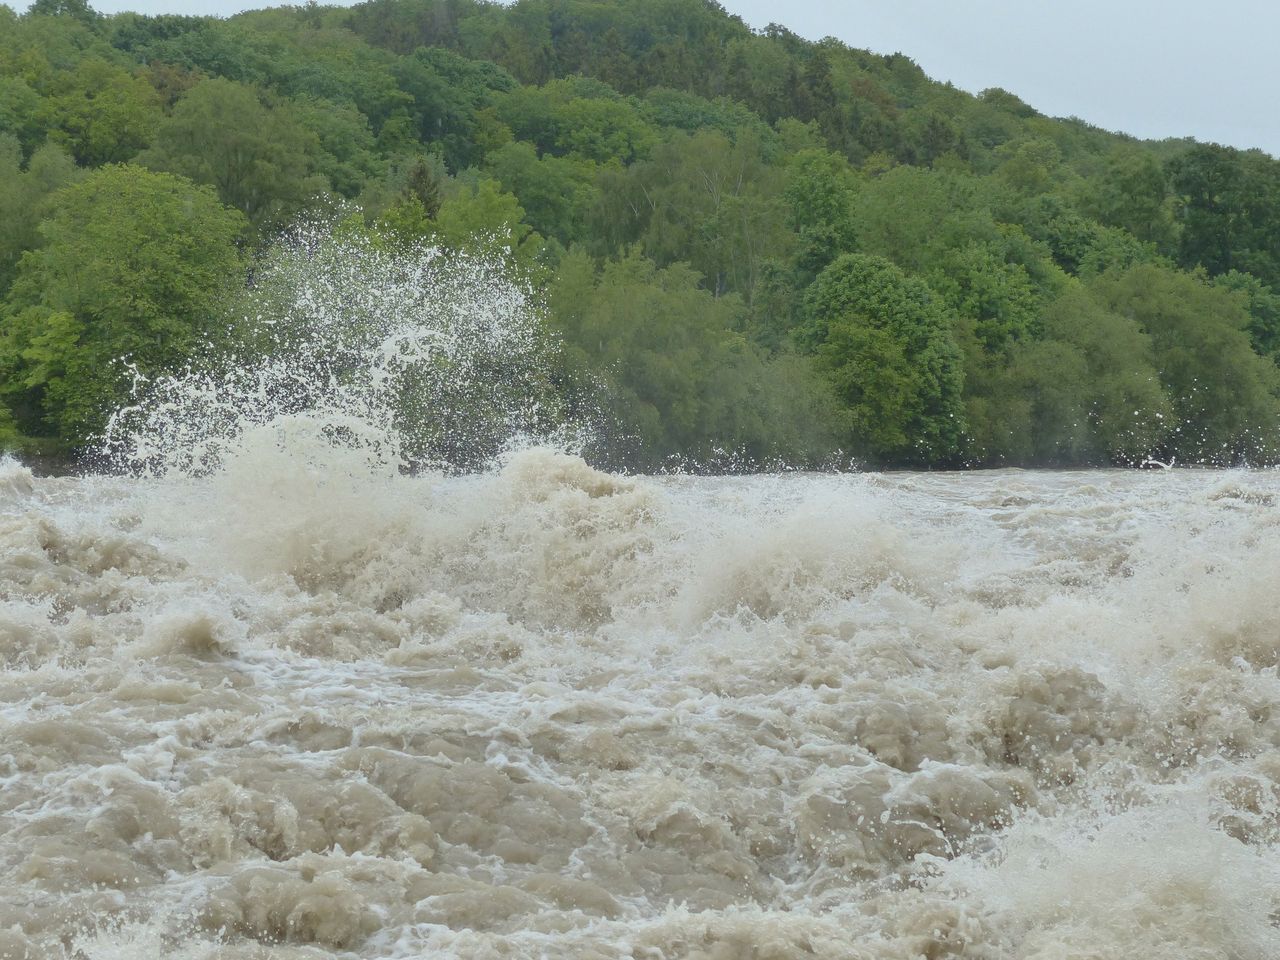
(412,354)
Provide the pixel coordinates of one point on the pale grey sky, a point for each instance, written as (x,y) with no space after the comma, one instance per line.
(1153,68)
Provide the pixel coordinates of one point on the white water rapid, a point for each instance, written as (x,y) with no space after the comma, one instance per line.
(279,699)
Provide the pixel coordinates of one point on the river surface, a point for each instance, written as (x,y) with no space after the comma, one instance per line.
(301,710)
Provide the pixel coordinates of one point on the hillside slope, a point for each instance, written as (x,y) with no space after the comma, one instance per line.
(755,249)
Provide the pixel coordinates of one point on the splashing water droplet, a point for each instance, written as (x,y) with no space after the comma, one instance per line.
(408,356)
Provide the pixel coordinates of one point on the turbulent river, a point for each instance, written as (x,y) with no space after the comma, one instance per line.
(271,688)
(300,709)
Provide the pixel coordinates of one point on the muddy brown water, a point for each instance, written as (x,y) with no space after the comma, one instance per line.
(295,710)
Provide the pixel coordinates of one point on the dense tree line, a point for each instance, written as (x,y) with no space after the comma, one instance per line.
(757,248)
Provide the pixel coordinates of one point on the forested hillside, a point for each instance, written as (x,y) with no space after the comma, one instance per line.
(761,249)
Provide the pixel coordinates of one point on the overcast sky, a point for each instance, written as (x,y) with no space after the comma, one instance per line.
(1154,68)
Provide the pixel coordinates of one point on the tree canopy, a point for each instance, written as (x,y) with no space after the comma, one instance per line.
(124,284)
(754,248)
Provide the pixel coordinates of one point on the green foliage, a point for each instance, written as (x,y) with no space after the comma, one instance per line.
(558,193)
(22,114)
(884,340)
(1230,204)
(347,157)
(681,383)
(1086,390)
(713,203)
(1120,396)
(675,109)
(1223,394)
(76,9)
(1029,166)
(404,222)
(577,117)
(260,159)
(476,216)
(447,91)
(423,184)
(633,45)
(24,195)
(103,114)
(1133,195)
(745,234)
(484,218)
(130,270)
(11,438)
(1082,246)
(1263,305)
(909,215)
(403,25)
(997,297)
(821,194)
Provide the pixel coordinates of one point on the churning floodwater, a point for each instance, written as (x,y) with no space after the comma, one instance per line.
(273,695)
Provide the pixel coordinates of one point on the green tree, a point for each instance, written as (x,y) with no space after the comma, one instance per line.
(347,157)
(714,204)
(884,340)
(910,215)
(1029,166)
(1121,398)
(1223,394)
(448,91)
(24,196)
(680,382)
(260,159)
(482,217)
(1209,182)
(1263,305)
(822,194)
(557,193)
(76,9)
(1084,392)
(760,72)
(694,162)
(104,113)
(423,184)
(131,269)
(1230,206)
(402,25)
(22,113)
(577,116)
(998,298)
(677,109)
(1133,194)
(1081,245)
(476,216)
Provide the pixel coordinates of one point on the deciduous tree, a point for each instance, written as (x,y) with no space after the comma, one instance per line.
(128,278)
(885,341)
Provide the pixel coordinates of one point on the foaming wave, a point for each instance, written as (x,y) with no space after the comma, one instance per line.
(396,356)
(16,479)
(548,710)
(1153,879)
